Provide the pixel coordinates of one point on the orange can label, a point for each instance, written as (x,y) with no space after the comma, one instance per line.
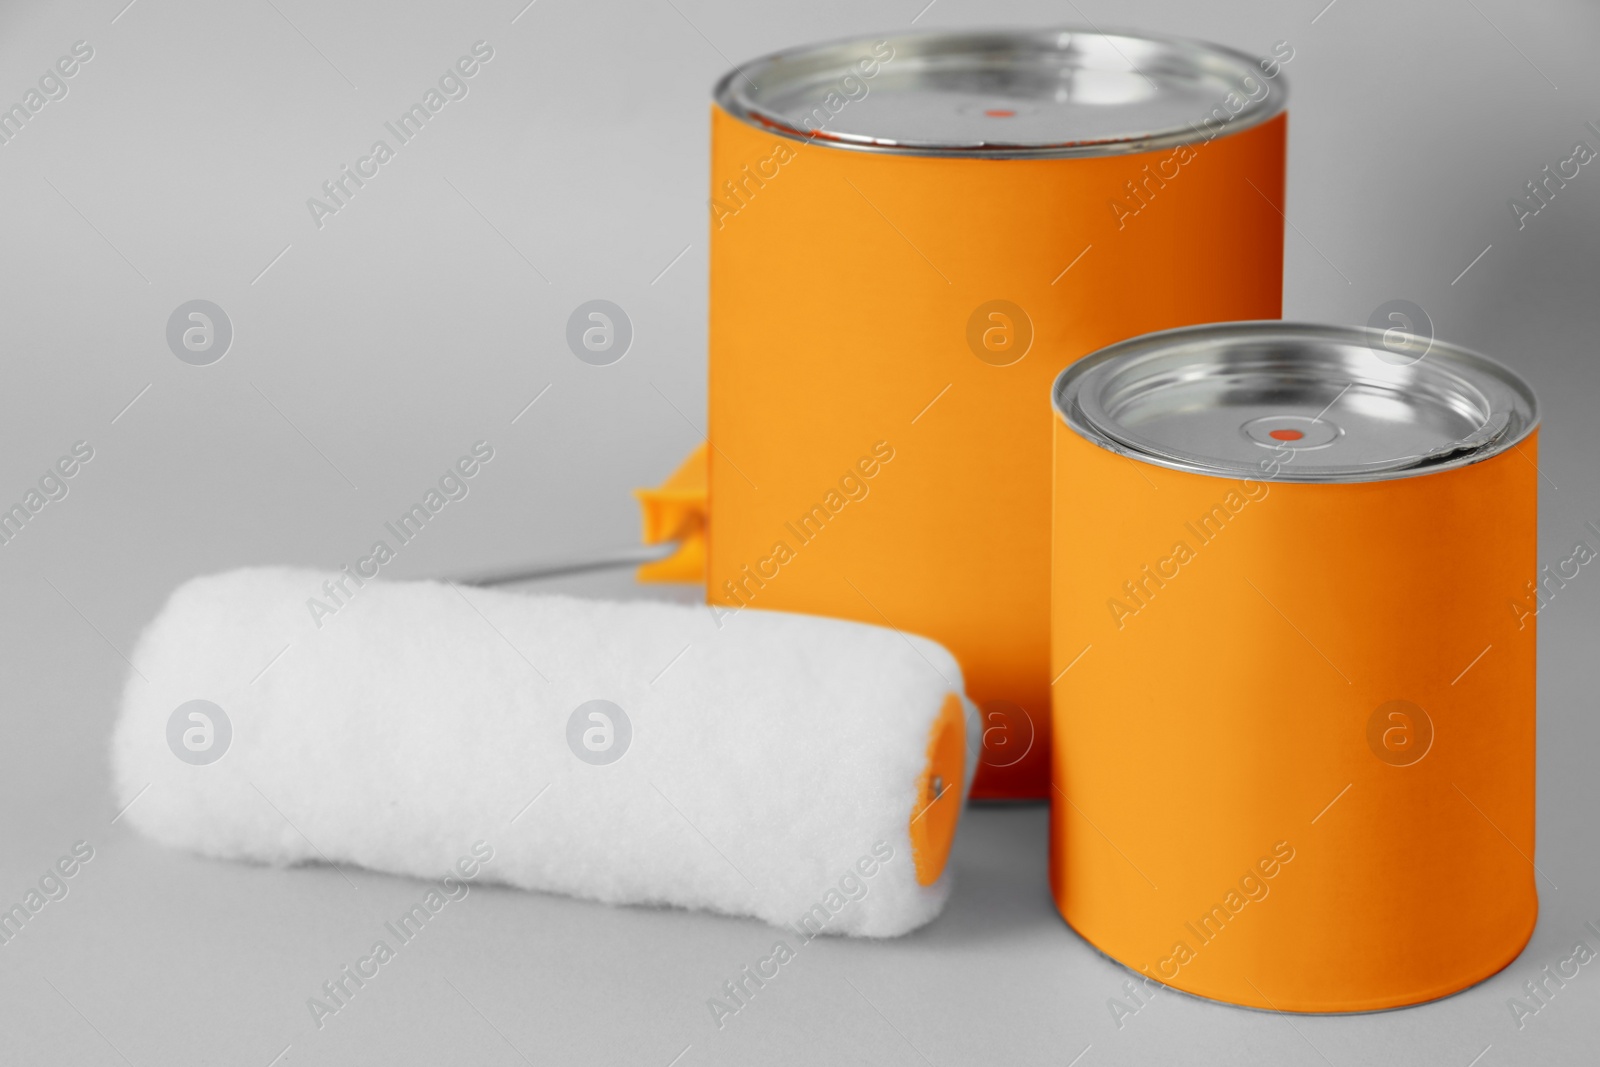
(884,329)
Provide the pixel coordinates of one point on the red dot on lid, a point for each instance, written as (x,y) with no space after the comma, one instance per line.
(1000,113)
(1285,435)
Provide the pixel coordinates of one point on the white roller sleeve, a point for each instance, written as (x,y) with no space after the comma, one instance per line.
(769,753)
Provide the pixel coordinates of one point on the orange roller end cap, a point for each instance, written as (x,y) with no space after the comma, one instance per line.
(938,805)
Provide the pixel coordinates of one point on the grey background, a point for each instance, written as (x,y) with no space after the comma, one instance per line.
(432,309)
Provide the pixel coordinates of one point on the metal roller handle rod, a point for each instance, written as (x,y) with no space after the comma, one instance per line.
(632,556)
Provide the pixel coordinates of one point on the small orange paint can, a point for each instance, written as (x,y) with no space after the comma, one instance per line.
(910,237)
(1294,706)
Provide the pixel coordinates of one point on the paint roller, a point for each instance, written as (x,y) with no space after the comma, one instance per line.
(798,769)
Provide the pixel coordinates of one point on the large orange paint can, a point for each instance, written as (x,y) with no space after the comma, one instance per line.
(910,237)
(1294,760)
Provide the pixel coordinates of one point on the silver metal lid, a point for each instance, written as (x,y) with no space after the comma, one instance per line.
(1294,402)
(1004,94)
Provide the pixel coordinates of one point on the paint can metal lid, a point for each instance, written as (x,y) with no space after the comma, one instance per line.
(1005,94)
(1296,402)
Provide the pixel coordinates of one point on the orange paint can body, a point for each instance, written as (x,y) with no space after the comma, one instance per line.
(1294,762)
(909,239)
